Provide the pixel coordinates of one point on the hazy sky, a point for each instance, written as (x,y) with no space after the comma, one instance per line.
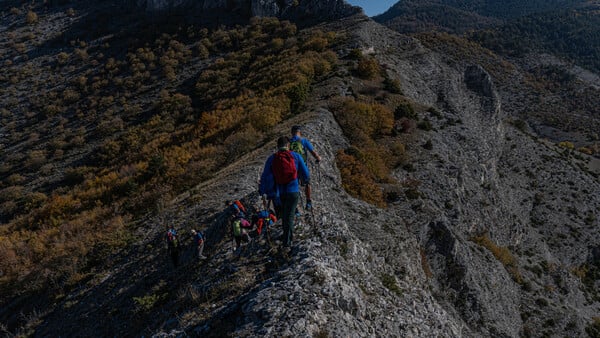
(373,7)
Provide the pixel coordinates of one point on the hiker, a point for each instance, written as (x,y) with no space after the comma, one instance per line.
(303,146)
(279,181)
(235,208)
(199,241)
(264,219)
(172,244)
(239,231)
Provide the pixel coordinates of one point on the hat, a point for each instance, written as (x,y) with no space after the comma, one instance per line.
(296,129)
(193,232)
(282,142)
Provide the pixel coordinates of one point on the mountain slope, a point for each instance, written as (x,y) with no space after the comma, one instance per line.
(443,13)
(571,35)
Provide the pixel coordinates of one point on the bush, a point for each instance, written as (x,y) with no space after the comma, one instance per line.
(357,179)
(406,126)
(31,17)
(317,44)
(62,58)
(566,145)
(392,85)
(405,110)
(362,121)
(70,96)
(298,95)
(35,159)
(242,142)
(389,282)
(502,254)
(585,150)
(176,106)
(368,68)
(355,54)
(425,125)
(146,303)
(412,194)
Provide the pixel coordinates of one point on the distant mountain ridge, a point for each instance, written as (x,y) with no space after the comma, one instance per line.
(460,16)
(565,28)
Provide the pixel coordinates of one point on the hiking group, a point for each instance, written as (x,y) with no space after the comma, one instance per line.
(284,173)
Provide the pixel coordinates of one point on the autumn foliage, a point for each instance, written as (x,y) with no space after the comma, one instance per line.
(255,77)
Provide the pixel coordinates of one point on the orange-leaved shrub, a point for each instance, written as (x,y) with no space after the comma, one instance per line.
(374,151)
(502,254)
(357,180)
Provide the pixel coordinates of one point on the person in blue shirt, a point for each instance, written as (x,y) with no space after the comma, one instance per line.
(199,242)
(233,209)
(279,181)
(303,146)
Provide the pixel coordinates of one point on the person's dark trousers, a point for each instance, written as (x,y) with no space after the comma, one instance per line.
(289,201)
(279,211)
(175,256)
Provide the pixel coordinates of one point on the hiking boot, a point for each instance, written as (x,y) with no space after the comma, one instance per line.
(203,257)
(286,250)
(308,206)
(298,214)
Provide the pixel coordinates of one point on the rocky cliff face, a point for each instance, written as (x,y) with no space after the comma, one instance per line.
(304,11)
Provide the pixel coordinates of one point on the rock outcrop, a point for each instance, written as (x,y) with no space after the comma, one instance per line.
(303,11)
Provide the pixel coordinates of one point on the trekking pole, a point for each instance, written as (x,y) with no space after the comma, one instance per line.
(265,202)
(319,172)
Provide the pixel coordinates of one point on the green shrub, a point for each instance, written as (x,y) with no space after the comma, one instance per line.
(355,54)
(316,43)
(368,68)
(392,85)
(425,125)
(389,282)
(412,193)
(405,110)
(566,145)
(298,95)
(146,303)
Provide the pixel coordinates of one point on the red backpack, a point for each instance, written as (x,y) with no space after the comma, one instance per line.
(284,167)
